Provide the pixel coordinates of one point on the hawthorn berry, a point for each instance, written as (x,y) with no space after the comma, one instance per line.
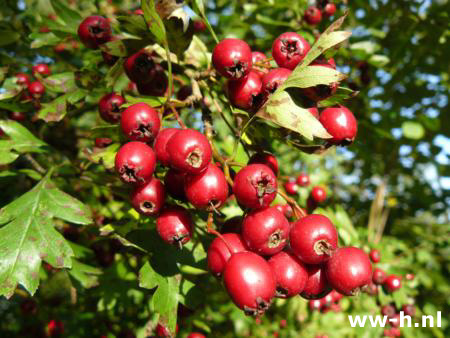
(41,68)
(336,296)
(207,190)
(291,187)
(265,231)
(55,328)
(329,9)
(317,285)
(250,282)
(148,199)
(392,332)
(318,194)
(140,122)
(285,209)
(189,151)
(140,67)
(110,59)
(258,57)
(135,162)
(388,310)
(315,304)
(375,256)
(265,158)
(17,116)
(174,225)
(158,86)
(409,310)
(221,250)
(255,186)
(313,239)
(199,26)
(313,16)
(196,335)
(22,79)
(162,330)
(394,321)
(340,123)
(349,270)
(232,58)
(378,276)
(36,89)
(174,184)
(290,274)
(321,91)
(303,180)
(103,142)
(289,49)
(160,145)
(28,306)
(232,225)
(314,112)
(109,107)
(409,276)
(274,79)
(371,289)
(246,93)
(94,31)
(392,283)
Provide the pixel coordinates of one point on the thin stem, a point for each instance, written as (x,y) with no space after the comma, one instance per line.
(35,164)
(298,211)
(177,117)
(209,227)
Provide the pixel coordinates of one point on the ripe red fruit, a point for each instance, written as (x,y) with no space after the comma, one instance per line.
(378,276)
(291,187)
(140,122)
(313,239)
(196,335)
(163,331)
(28,306)
(315,304)
(317,285)
(409,276)
(371,289)
(232,58)
(329,10)
(23,79)
(318,194)
(158,86)
(55,328)
(409,310)
(207,190)
(110,59)
(219,253)
(138,12)
(392,283)
(388,310)
(41,68)
(274,79)
(148,199)
(283,323)
(103,142)
(394,321)
(246,93)
(36,89)
(255,186)
(290,274)
(258,57)
(285,209)
(232,225)
(199,26)
(135,162)
(314,112)
(189,151)
(349,270)
(265,158)
(375,256)
(335,296)
(313,15)
(265,231)
(250,282)
(340,123)
(160,146)
(109,107)
(17,116)
(303,180)
(174,225)
(321,91)
(140,67)
(289,49)
(94,31)
(392,332)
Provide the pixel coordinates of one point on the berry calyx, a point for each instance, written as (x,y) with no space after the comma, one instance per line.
(36,89)
(135,162)
(378,276)
(303,180)
(160,146)
(94,31)
(291,187)
(140,67)
(265,158)
(317,285)
(109,107)
(148,199)
(392,283)
(340,123)
(220,252)
(246,93)
(313,16)
(318,194)
(174,225)
(140,122)
(232,58)
(42,69)
(375,256)
(274,79)
(289,49)
(250,282)
(174,184)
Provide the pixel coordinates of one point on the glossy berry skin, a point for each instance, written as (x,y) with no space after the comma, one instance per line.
(42,69)
(392,283)
(148,199)
(258,57)
(199,26)
(266,159)
(274,79)
(378,276)
(36,89)
(250,282)
(291,187)
(313,16)
(174,225)
(388,310)
(375,256)
(289,49)
(303,180)
(158,86)
(140,67)
(318,194)
(17,116)
(140,122)
(94,31)
(219,253)
(313,239)
(290,274)
(103,142)
(109,107)
(135,162)
(317,285)
(232,58)
(349,270)
(246,94)
(189,151)
(265,231)
(321,91)
(340,123)
(255,186)
(329,10)
(207,190)
(314,112)
(174,183)
(22,79)
(409,310)
(163,331)
(160,145)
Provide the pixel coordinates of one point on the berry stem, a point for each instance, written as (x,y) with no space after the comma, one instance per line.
(298,212)
(177,116)
(209,227)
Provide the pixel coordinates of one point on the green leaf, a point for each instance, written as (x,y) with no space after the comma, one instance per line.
(43,39)
(151,101)
(60,83)
(413,130)
(105,156)
(8,37)
(312,76)
(124,47)
(134,25)
(7,94)
(197,54)
(268,21)
(378,60)
(71,17)
(339,97)
(85,274)
(57,109)
(28,235)
(179,39)
(113,73)
(20,141)
(154,21)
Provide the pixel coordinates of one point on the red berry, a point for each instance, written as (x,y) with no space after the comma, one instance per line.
(163,137)
(255,186)
(232,225)
(109,107)
(291,187)
(140,122)
(158,86)
(409,276)
(265,231)
(394,321)
(148,199)
(285,209)
(174,225)
(318,194)
(274,79)
(313,239)
(250,282)
(378,276)
(189,151)
(36,89)
(17,116)
(375,256)
(23,79)
(232,58)
(41,68)
(199,26)
(163,331)
(94,31)
(349,270)
(392,283)
(207,190)
(246,93)
(336,296)
(138,12)
(392,332)
(135,162)
(289,49)
(317,285)
(340,123)
(28,306)
(219,253)
(196,335)
(103,142)
(110,59)
(314,112)
(290,274)
(388,310)
(140,67)
(303,180)
(321,91)
(258,57)
(55,328)
(371,289)
(265,158)
(283,323)
(315,304)
(313,15)
(409,310)
(329,10)
(174,183)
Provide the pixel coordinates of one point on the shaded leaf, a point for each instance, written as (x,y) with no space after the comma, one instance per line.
(312,76)
(57,109)
(85,274)
(154,21)
(71,17)
(60,83)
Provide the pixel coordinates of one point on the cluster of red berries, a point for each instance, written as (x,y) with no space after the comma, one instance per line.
(328,303)
(390,283)
(393,315)
(317,195)
(323,8)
